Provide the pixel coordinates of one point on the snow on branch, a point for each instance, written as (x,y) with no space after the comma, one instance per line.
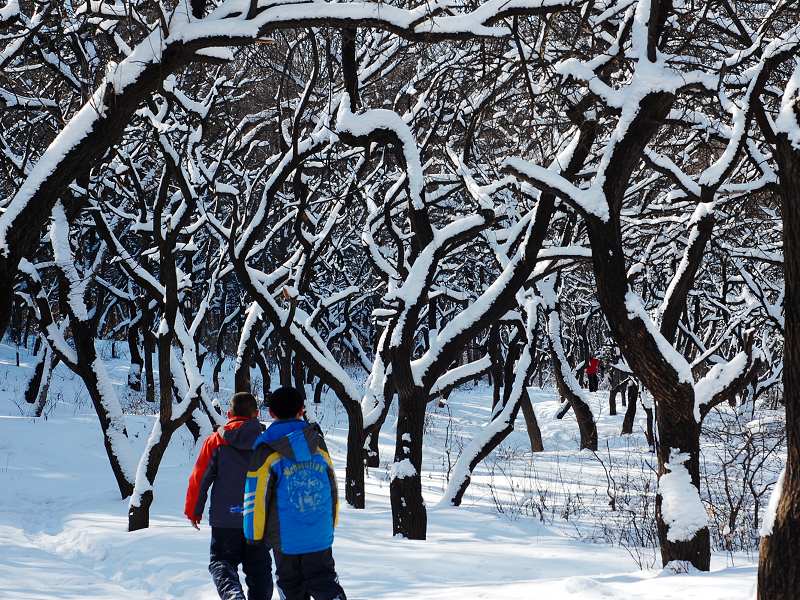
(382,121)
(460,374)
(788,120)
(62,252)
(717,380)
(591,201)
(636,309)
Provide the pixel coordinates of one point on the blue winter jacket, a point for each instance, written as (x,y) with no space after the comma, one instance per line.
(290,496)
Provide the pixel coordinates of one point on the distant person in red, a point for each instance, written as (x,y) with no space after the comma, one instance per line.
(592,370)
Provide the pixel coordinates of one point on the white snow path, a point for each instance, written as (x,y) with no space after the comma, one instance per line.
(62,526)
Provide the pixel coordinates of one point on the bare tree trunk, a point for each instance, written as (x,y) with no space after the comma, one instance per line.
(409,517)
(612,400)
(263,366)
(297,373)
(630,409)
(616,386)
(373,458)
(86,364)
(216,372)
(354,468)
(778,569)
(41,366)
(648,433)
(112,426)
(148,345)
(137,362)
(160,436)
(139,514)
(372,433)
(681,433)
(39,384)
(496,355)
(318,392)
(567,384)
(44,389)
(285,372)
(532,424)
(583,413)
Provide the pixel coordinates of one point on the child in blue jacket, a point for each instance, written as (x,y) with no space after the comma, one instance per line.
(290,500)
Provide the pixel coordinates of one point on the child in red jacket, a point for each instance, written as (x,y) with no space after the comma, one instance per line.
(222,466)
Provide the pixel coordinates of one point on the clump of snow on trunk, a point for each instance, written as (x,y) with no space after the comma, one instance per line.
(681,506)
(772,507)
(402,469)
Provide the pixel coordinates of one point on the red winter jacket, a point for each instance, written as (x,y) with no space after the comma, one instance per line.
(593,367)
(223,462)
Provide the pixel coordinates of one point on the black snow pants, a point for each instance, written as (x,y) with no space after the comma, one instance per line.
(229,550)
(304,576)
(592,382)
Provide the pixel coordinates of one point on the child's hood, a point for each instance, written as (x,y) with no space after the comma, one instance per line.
(294,439)
(241,432)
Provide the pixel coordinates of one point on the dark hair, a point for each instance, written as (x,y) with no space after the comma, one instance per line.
(244,404)
(285,402)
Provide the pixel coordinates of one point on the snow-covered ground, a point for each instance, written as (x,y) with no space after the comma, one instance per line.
(532,527)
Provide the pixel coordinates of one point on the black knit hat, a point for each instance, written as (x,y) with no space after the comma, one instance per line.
(285,402)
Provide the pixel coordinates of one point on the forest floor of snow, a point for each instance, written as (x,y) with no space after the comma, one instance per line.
(531,527)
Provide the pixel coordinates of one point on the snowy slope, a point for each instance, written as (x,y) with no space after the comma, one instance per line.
(62,526)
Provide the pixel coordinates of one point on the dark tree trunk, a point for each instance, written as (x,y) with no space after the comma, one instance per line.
(286,366)
(680,432)
(373,458)
(372,433)
(674,397)
(318,392)
(139,515)
(354,469)
(148,349)
(263,366)
(139,511)
(44,389)
(532,424)
(612,400)
(566,383)
(137,362)
(583,414)
(409,517)
(495,354)
(586,425)
(778,569)
(563,409)
(35,382)
(215,373)
(648,432)
(299,379)
(84,345)
(616,386)
(39,384)
(27,330)
(630,409)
